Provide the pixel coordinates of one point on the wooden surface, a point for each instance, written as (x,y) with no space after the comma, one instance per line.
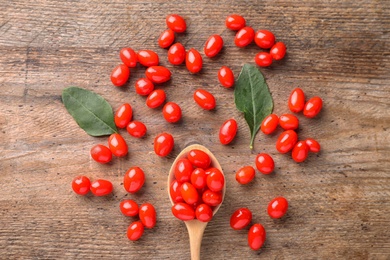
(339,199)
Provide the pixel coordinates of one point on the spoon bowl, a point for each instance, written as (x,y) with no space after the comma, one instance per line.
(195,227)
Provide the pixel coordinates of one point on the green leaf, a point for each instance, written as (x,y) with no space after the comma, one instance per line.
(90,110)
(252,97)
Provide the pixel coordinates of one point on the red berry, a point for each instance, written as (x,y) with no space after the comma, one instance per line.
(313,145)
(189,193)
(212,198)
(101,187)
(183,170)
(117,145)
(199,159)
(228,131)
(235,22)
(156,98)
(198,178)
(134,179)
(147,215)
(300,151)
(277,208)
(213,45)
(101,153)
(158,74)
(288,122)
(136,129)
(296,101)
(129,208)
(226,77)
(203,213)
(278,51)
(183,211)
(172,112)
(256,236)
(166,38)
(175,191)
(123,115)
(148,58)
(144,86)
(264,163)
(269,124)
(81,185)
(215,179)
(163,144)
(286,141)
(245,175)
(128,57)
(312,107)
(244,37)
(176,54)
(204,99)
(119,75)
(194,61)
(263,59)
(135,231)
(176,23)
(240,218)
(264,39)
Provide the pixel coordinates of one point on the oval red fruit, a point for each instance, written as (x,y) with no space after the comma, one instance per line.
(235,22)
(101,153)
(199,159)
(312,107)
(269,124)
(147,215)
(240,218)
(204,99)
(288,122)
(135,231)
(228,131)
(183,211)
(144,86)
(123,115)
(158,74)
(176,54)
(264,163)
(136,129)
(183,170)
(256,236)
(203,213)
(215,179)
(245,175)
(172,112)
(213,45)
(277,208)
(134,179)
(263,59)
(198,178)
(278,51)
(244,37)
(101,187)
(226,77)
(163,144)
(81,185)
(264,39)
(296,101)
(189,193)
(212,198)
(300,151)
(194,61)
(129,208)
(119,75)
(313,145)
(286,141)
(148,58)
(175,191)
(176,23)
(128,57)
(117,145)
(166,38)
(156,98)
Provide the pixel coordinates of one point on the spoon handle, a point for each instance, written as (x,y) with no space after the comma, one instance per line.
(195,232)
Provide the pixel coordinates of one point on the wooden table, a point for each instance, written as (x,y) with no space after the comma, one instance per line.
(339,199)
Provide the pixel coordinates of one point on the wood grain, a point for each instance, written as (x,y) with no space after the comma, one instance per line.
(339,199)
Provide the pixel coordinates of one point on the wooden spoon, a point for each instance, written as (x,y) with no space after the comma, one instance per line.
(195,227)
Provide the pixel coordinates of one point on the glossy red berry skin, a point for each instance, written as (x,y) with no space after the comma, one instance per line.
(286,141)
(172,112)
(101,153)
(119,75)
(226,77)
(278,51)
(312,107)
(277,208)
(296,101)
(264,163)
(163,144)
(204,99)
(300,151)
(136,129)
(156,98)
(288,122)
(144,86)
(245,175)
(176,54)
(81,185)
(129,208)
(101,187)
(117,145)
(263,59)
(128,57)
(212,198)
(135,231)
(189,193)
(158,74)
(183,211)
(235,22)
(148,58)
(244,37)
(228,131)
(313,145)
(147,215)
(204,213)
(240,218)
(215,179)
(175,191)
(194,61)
(183,170)
(199,159)
(198,178)
(264,39)
(166,38)
(123,115)
(176,23)
(269,124)
(213,45)
(134,179)
(256,236)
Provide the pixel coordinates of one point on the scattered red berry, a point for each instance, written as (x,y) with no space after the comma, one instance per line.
(269,124)
(226,77)
(136,129)
(101,187)
(256,236)
(163,144)
(228,131)
(101,153)
(296,101)
(176,23)
(134,179)
(277,208)
(278,51)
(194,61)
(300,151)
(117,145)
(123,115)
(135,231)
(147,215)
(81,185)
(244,37)
(166,38)
(286,141)
(144,86)
(264,163)
(245,175)
(204,99)
(148,58)
(119,75)
(213,45)
(172,112)
(129,208)
(240,218)
(313,145)
(158,74)
(288,122)
(312,107)
(264,39)
(156,98)
(176,54)
(263,59)
(128,57)
(235,22)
